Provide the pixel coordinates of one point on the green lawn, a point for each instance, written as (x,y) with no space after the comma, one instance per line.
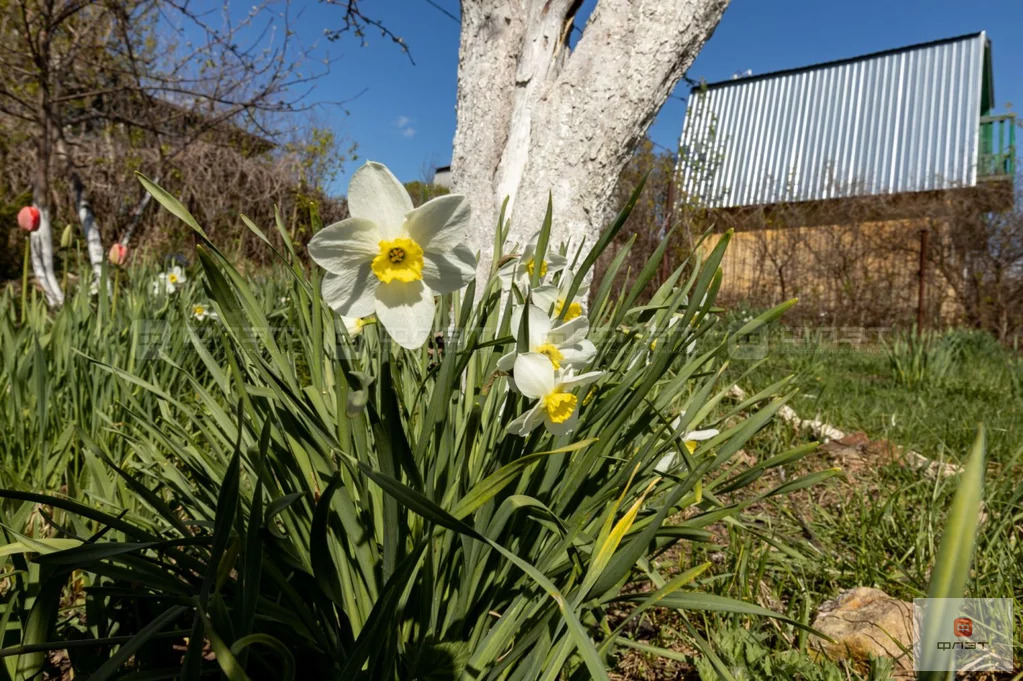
(879,524)
(970,380)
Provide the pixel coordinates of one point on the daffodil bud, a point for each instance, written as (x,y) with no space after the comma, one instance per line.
(28,218)
(358,399)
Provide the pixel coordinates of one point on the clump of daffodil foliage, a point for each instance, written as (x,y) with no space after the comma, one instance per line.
(385,472)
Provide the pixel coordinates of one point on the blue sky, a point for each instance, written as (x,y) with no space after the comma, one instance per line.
(404,115)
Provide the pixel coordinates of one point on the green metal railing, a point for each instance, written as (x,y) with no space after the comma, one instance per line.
(997,157)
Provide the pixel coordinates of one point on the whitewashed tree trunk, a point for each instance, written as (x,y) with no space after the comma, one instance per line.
(42,258)
(535,117)
(90,230)
(86,218)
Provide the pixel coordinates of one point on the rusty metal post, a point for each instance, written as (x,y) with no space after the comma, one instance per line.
(922,291)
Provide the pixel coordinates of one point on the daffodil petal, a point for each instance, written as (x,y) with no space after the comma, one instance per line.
(582,379)
(447,272)
(555,428)
(375,194)
(527,422)
(555,262)
(507,362)
(534,375)
(571,332)
(666,463)
(578,354)
(351,292)
(545,297)
(345,245)
(701,435)
(539,327)
(406,311)
(353,325)
(440,224)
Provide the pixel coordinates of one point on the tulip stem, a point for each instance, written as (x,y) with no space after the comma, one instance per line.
(24,280)
(117,286)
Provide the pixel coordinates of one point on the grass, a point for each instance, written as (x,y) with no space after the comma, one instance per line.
(879,524)
(170,441)
(264,496)
(857,388)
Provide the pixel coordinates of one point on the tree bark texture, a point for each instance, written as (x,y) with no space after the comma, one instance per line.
(536,119)
(41,241)
(87,219)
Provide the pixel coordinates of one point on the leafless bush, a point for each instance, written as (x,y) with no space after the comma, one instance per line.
(214,176)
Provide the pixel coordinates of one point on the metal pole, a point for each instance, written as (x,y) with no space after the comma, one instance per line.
(922,291)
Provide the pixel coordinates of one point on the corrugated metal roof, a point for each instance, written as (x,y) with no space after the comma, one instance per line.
(903,120)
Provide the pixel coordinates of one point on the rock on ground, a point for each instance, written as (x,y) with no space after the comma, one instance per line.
(866,622)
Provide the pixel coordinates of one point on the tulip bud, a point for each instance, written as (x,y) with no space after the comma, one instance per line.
(65,237)
(28,218)
(118,254)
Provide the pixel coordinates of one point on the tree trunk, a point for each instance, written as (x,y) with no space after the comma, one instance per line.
(42,239)
(90,230)
(537,119)
(42,258)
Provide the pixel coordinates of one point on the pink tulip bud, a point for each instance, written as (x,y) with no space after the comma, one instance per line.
(28,218)
(118,254)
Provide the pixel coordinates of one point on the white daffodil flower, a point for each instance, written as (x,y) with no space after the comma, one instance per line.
(691,441)
(169,281)
(354,325)
(201,312)
(553,298)
(556,404)
(564,345)
(174,277)
(390,259)
(519,270)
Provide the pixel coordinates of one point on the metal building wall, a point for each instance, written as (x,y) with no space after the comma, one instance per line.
(899,121)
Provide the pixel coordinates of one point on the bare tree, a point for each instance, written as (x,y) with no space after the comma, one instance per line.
(73,72)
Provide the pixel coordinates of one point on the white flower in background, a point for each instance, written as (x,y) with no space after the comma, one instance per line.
(519,270)
(201,312)
(691,440)
(175,277)
(565,345)
(556,404)
(390,259)
(354,325)
(169,281)
(554,298)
